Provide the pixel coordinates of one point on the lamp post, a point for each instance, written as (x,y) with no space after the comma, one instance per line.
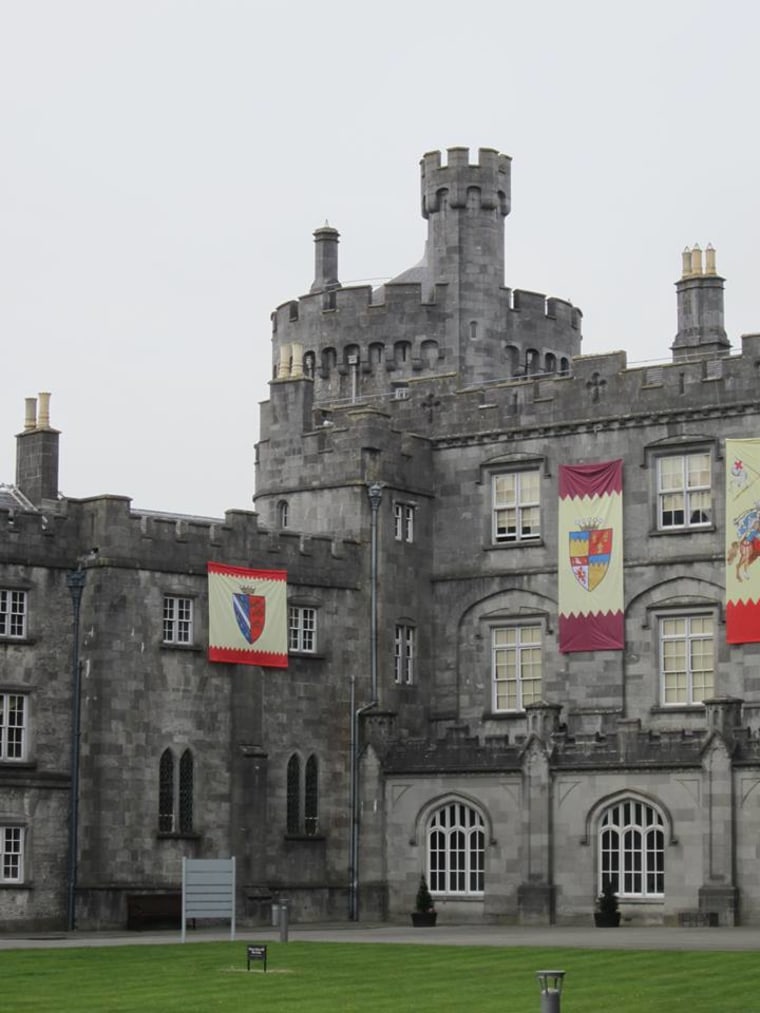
(550,983)
(75,581)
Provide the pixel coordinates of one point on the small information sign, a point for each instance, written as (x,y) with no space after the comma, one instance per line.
(257,953)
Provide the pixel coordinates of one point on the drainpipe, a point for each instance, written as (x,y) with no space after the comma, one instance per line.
(75,581)
(375,494)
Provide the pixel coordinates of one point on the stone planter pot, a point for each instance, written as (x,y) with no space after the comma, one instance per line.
(424,919)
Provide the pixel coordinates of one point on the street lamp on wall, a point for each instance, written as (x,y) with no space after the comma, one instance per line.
(75,581)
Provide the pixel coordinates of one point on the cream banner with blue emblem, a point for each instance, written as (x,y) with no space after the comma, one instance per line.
(248,616)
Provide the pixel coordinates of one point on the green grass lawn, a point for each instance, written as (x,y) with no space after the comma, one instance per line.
(372,978)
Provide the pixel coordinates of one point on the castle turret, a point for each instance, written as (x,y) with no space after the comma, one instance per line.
(325,259)
(465,206)
(699,292)
(37,453)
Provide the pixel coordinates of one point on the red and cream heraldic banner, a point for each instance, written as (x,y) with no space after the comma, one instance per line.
(742,541)
(590,564)
(247,616)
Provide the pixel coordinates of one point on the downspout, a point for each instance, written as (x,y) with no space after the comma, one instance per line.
(375,494)
(75,581)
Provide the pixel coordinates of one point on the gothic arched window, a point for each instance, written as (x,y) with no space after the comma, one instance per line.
(166,792)
(293,789)
(456,850)
(632,849)
(186,792)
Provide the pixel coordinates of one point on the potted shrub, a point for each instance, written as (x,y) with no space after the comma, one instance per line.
(424,913)
(607,914)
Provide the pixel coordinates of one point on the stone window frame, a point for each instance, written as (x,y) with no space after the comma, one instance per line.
(303,627)
(21,751)
(404,519)
(302,796)
(513,464)
(14,622)
(533,620)
(662,615)
(13,830)
(404,652)
(682,447)
(178,627)
(439,850)
(176,793)
(626,837)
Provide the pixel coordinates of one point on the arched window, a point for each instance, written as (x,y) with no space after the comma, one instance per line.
(293,788)
(303,796)
(456,850)
(186,792)
(632,849)
(166,792)
(175,793)
(311,797)
(283,514)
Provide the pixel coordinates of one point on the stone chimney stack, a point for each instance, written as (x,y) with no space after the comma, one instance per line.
(699,292)
(37,452)
(326,259)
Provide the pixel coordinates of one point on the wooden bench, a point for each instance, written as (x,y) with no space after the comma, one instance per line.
(154,911)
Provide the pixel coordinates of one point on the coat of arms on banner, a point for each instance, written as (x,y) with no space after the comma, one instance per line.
(250,612)
(590,552)
(745,550)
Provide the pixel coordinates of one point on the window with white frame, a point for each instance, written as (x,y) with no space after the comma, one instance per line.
(516,666)
(178,620)
(13,612)
(403,522)
(404,653)
(13,721)
(516,506)
(687,658)
(456,850)
(11,854)
(684,495)
(632,850)
(302,629)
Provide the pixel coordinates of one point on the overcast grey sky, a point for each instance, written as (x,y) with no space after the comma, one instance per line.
(165,162)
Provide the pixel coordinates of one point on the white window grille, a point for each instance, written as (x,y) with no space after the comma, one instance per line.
(302,629)
(516,666)
(178,620)
(11,854)
(632,850)
(686,658)
(456,850)
(403,522)
(684,496)
(404,653)
(516,506)
(13,612)
(13,720)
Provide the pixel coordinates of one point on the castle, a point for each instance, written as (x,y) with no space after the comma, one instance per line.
(433,717)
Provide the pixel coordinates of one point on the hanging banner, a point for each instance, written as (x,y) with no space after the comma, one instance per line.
(742,541)
(590,565)
(247,616)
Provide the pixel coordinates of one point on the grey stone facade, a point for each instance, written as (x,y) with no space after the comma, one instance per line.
(424,390)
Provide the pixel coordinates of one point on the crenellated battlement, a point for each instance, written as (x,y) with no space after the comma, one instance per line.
(110,533)
(460,183)
(394,331)
(452,310)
